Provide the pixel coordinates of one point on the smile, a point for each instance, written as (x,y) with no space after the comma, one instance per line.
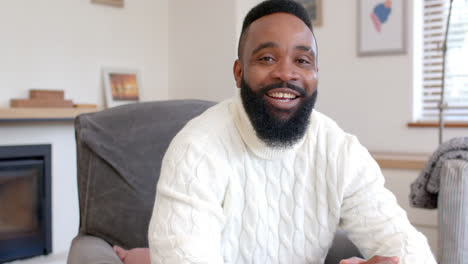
(280,95)
(283,98)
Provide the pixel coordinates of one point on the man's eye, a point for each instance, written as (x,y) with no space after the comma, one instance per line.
(267,59)
(303,61)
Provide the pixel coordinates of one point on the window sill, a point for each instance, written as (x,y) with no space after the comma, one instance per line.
(436,124)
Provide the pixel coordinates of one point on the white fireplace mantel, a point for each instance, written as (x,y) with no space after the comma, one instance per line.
(43,114)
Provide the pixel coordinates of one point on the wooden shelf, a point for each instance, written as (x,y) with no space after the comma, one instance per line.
(391,160)
(42,114)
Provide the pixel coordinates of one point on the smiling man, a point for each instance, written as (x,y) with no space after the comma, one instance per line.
(265,178)
(277,55)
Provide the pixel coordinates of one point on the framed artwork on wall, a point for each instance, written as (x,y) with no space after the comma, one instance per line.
(121,86)
(115,3)
(314,7)
(381,26)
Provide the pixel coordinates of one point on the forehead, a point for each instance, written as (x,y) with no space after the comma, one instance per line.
(281,28)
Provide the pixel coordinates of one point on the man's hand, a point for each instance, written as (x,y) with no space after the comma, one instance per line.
(373,260)
(133,256)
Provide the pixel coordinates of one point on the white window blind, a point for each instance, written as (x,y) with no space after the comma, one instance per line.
(456,66)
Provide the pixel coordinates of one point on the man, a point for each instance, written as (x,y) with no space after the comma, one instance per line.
(264,178)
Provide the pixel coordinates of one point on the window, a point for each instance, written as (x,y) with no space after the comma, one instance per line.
(456,64)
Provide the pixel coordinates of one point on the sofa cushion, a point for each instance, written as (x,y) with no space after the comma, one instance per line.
(91,250)
(119,154)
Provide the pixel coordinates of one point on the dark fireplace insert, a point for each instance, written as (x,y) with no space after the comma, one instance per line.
(25,201)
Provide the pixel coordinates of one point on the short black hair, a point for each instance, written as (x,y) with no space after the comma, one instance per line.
(269,7)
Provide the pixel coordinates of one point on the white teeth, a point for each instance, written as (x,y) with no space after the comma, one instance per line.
(282,95)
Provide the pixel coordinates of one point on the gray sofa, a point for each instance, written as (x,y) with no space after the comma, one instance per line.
(119,154)
(453,203)
(443,185)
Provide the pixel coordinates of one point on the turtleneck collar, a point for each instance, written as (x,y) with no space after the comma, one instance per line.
(249,136)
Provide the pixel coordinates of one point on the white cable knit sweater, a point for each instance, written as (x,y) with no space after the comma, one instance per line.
(225,197)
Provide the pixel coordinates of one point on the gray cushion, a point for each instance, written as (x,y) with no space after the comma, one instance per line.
(91,250)
(119,154)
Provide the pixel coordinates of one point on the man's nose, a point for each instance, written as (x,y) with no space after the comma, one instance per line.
(285,71)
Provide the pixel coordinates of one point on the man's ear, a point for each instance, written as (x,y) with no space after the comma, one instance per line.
(237,69)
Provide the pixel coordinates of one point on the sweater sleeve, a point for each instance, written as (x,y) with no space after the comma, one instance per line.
(187,217)
(370,214)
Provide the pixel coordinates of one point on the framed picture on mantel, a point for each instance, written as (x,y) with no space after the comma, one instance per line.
(115,3)
(121,86)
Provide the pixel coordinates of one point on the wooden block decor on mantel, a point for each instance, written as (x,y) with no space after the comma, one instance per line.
(42,106)
(47,94)
(43,98)
(40,103)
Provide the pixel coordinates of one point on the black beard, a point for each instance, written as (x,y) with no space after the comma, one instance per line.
(273,131)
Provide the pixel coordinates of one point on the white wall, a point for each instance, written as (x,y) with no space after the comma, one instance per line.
(202,49)
(62,44)
(369,96)
(242,7)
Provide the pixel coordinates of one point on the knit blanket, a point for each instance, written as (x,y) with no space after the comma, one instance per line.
(425,189)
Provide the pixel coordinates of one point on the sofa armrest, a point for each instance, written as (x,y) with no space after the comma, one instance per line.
(91,250)
(452,203)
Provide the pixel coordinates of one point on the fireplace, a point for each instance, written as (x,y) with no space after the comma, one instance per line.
(25,201)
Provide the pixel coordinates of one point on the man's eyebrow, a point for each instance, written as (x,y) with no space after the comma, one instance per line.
(264,45)
(307,49)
